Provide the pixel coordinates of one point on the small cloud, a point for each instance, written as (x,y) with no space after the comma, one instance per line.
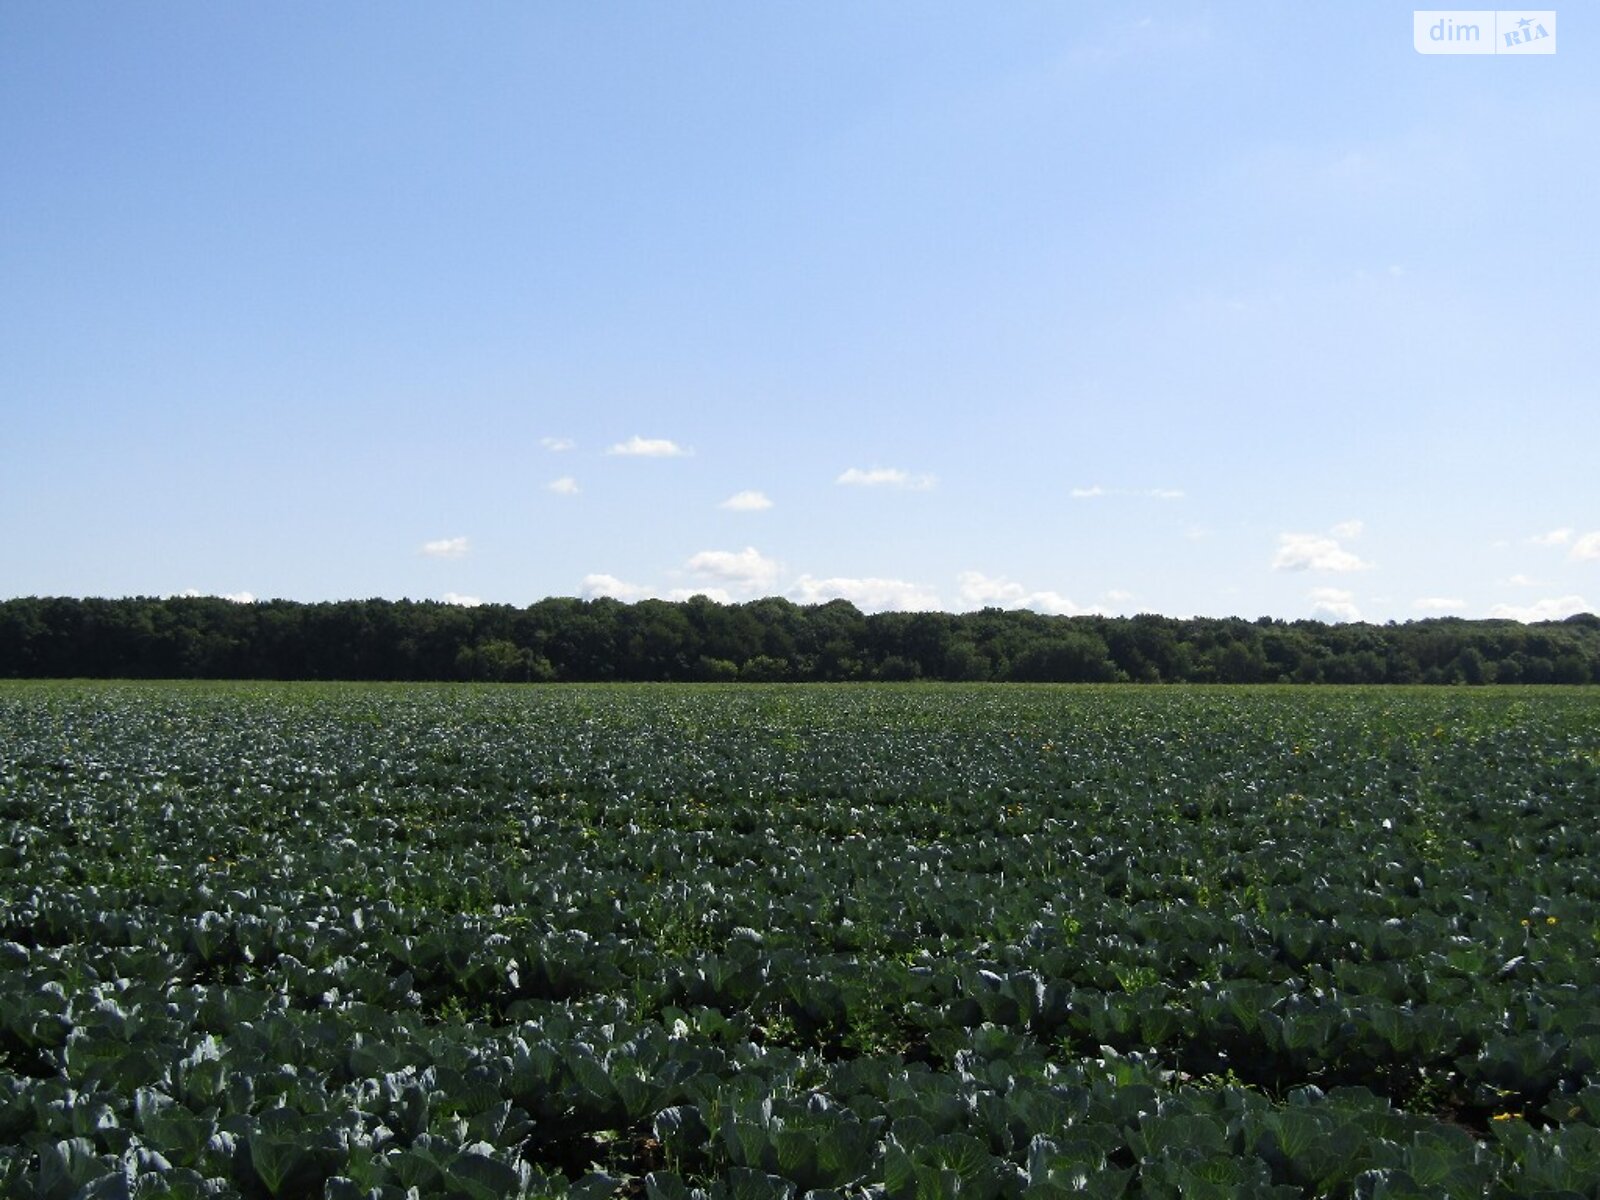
(1440,604)
(720,595)
(557,444)
(1118,596)
(747,568)
(1345,530)
(595,586)
(639,447)
(1553,609)
(983,591)
(869,594)
(1524,581)
(1198,533)
(885,477)
(1556,537)
(1095,491)
(463,601)
(746,502)
(565,486)
(1396,270)
(455,547)
(1586,548)
(1335,603)
(1314,552)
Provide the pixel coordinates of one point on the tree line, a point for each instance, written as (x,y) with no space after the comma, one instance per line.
(770,640)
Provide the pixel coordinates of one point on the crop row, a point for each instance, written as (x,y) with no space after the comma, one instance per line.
(758,942)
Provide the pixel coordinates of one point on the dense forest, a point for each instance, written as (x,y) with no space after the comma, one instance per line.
(764,640)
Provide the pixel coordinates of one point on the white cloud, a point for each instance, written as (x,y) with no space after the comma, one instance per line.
(983,591)
(720,595)
(1095,491)
(1314,552)
(455,547)
(1524,581)
(463,601)
(1586,548)
(746,502)
(639,447)
(746,568)
(1335,603)
(870,595)
(1118,596)
(1345,530)
(1553,609)
(1440,604)
(885,477)
(557,444)
(595,586)
(565,486)
(1556,537)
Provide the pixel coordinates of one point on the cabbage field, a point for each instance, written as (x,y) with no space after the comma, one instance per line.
(759,943)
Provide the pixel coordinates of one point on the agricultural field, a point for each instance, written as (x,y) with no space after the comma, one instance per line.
(755,943)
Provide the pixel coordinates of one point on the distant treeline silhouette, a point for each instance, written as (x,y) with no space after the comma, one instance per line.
(767,640)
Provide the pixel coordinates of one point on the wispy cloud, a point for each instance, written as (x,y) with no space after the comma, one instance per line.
(1334,603)
(595,586)
(565,486)
(557,444)
(747,568)
(1439,604)
(463,601)
(1315,552)
(885,477)
(455,547)
(1586,548)
(867,594)
(1556,537)
(1525,581)
(1346,530)
(639,447)
(985,591)
(1095,491)
(1552,609)
(746,502)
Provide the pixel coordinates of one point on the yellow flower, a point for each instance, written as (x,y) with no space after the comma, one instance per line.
(1549,920)
(1505,1116)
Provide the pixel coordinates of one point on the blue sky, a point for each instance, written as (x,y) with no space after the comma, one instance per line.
(1184,308)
